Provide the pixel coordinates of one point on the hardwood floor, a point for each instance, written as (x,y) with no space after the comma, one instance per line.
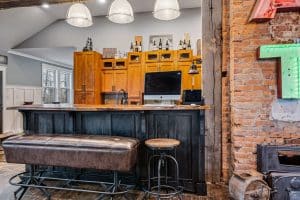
(215,192)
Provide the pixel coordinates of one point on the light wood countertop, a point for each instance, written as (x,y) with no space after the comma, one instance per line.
(106,107)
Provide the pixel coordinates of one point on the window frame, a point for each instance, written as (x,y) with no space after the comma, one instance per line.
(57,82)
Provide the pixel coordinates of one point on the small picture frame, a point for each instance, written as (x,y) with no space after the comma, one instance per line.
(164,39)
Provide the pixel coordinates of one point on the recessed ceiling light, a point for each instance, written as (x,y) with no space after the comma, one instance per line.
(102,1)
(45,5)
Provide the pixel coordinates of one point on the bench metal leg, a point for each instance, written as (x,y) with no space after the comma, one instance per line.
(114,188)
(31,180)
(23,189)
(43,190)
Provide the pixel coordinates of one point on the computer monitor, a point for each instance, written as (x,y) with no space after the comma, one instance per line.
(163,86)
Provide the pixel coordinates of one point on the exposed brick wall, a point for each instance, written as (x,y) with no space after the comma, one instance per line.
(251,85)
(226,138)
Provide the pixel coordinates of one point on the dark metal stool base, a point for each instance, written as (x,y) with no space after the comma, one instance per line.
(36,180)
(163,190)
(171,192)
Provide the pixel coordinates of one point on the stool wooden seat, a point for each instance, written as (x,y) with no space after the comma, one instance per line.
(162,143)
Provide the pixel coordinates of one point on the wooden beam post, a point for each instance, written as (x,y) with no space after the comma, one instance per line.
(212,65)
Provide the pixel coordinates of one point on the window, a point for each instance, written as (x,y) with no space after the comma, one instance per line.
(57,84)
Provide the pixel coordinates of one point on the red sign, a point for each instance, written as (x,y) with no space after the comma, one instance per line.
(266,9)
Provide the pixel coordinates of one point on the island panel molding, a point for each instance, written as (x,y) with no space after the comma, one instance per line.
(288,70)
(265,10)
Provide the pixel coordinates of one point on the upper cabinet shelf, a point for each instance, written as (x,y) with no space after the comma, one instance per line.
(109,63)
(121,63)
(135,57)
(115,63)
(184,55)
(159,56)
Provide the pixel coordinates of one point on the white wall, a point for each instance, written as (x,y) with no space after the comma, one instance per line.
(107,34)
(24,71)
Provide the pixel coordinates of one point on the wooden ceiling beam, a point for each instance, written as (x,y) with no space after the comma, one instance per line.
(6,4)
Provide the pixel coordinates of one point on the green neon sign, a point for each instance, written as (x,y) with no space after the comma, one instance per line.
(289,69)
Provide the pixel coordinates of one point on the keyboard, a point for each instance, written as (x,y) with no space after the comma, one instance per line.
(159,105)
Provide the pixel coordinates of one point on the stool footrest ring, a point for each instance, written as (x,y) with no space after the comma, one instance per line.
(170,191)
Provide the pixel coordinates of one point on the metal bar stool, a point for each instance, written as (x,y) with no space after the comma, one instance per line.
(163,190)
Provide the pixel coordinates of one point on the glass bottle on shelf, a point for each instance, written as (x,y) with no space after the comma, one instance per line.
(180,45)
(184,45)
(154,47)
(140,47)
(131,47)
(189,47)
(167,45)
(160,44)
(136,48)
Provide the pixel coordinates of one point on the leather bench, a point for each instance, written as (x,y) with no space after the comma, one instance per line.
(75,151)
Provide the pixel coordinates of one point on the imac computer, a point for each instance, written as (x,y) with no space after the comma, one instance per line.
(162,86)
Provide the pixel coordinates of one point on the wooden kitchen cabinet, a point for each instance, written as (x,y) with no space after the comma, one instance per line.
(160,67)
(151,67)
(79,97)
(114,80)
(87,77)
(107,80)
(135,81)
(184,55)
(79,60)
(135,57)
(89,97)
(152,56)
(120,79)
(109,63)
(166,66)
(166,56)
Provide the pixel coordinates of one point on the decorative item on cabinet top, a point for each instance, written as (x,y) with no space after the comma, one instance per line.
(155,39)
(109,52)
(89,45)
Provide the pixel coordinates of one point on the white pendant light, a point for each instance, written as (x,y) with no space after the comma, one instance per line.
(79,15)
(166,9)
(120,12)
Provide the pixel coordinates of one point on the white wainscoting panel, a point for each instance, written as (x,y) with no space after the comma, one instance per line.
(16,96)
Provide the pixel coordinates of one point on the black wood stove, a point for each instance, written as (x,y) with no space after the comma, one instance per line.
(281,167)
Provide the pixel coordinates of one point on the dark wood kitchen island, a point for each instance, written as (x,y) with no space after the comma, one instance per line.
(185,123)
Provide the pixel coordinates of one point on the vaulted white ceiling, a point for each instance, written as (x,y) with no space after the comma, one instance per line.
(18,24)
